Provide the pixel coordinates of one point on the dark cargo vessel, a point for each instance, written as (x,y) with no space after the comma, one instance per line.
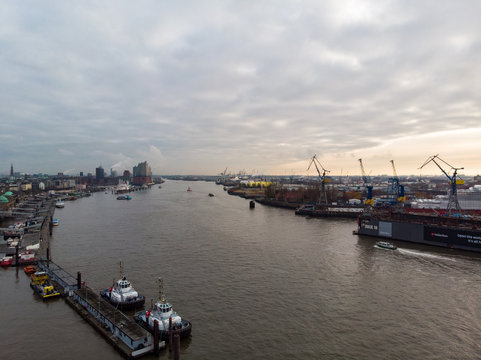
(457,231)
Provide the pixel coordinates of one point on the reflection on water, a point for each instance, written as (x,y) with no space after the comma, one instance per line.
(259,283)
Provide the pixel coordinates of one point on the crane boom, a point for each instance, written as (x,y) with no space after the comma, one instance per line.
(453,203)
(394,169)
(364,176)
(365,179)
(322,177)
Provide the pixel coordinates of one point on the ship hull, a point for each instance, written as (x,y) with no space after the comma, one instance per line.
(444,236)
(124,305)
(184,331)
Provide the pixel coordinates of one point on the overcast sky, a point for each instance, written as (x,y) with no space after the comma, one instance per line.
(196,86)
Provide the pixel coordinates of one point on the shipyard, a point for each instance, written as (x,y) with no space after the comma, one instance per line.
(127,321)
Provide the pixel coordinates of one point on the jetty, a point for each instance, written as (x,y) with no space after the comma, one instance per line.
(120,330)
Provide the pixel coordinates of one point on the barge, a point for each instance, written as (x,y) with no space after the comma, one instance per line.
(456,231)
(347,211)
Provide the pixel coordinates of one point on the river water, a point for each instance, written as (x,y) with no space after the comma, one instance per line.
(256,284)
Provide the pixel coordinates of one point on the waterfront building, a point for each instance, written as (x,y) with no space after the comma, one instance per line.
(142,174)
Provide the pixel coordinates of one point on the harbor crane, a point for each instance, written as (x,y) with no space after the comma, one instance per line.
(322,178)
(397,190)
(367,184)
(453,203)
(221,177)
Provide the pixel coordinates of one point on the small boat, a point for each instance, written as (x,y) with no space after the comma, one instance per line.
(189,189)
(6,261)
(124,197)
(26,258)
(55,222)
(33,247)
(211,195)
(29,269)
(162,312)
(386,245)
(59,204)
(123,295)
(40,283)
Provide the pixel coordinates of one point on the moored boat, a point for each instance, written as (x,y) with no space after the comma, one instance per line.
(40,283)
(59,204)
(6,261)
(29,269)
(167,319)
(55,222)
(386,245)
(122,294)
(26,258)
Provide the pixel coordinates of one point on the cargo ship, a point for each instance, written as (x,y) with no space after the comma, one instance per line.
(461,230)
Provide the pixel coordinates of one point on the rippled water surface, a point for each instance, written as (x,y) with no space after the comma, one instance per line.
(259,283)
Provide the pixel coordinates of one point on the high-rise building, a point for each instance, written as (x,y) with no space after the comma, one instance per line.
(100,175)
(11,170)
(142,174)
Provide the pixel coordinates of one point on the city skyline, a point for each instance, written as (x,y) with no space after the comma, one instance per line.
(255,87)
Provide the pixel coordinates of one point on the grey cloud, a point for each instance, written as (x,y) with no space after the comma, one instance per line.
(208,82)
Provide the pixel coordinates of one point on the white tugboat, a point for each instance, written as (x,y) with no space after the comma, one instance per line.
(122,294)
(163,313)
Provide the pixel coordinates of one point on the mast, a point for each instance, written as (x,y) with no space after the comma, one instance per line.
(161,290)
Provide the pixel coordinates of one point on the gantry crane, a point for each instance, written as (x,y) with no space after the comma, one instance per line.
(322,178)
(453,203)
(397,190)
(367,185)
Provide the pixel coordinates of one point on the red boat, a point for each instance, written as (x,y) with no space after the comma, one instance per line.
(6,261)
(30,269)
(26,258)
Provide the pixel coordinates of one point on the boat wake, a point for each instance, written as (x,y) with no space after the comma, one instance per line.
(426,255)
(383,248)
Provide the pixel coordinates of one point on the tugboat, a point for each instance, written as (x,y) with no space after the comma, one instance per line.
(163,313)
(122,294)
(41,285)
(386,245)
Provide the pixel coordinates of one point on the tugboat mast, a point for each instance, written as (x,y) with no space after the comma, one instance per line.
(121,270)
(161,290)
